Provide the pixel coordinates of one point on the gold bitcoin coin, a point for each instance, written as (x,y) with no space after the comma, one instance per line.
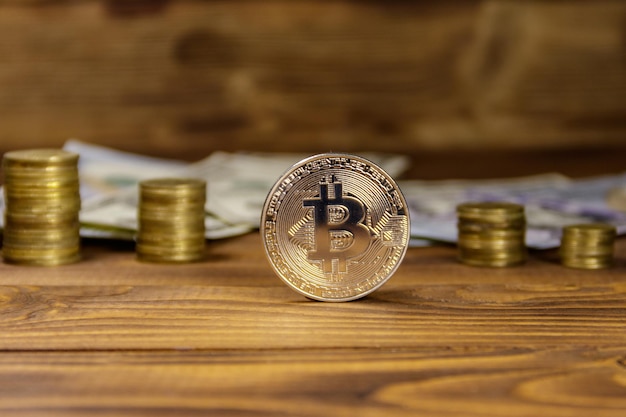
(335,227)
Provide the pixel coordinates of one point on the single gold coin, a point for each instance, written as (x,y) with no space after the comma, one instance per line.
(48,159)
(335,227)
(480,208)
(173,188)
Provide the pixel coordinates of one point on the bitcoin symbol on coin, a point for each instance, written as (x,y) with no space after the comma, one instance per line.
(335,227)
(339,232)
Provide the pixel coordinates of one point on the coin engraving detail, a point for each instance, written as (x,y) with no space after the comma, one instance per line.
(339,233)
(335,227)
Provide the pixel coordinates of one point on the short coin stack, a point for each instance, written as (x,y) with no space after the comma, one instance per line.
(41,190)
(587,246)
(171,220)
(491,234)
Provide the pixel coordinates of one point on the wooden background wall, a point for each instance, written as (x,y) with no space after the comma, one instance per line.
(185,77)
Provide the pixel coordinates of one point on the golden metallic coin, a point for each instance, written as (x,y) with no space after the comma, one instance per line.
(481,210)
(492,229)
(40,258)
(587,246)
(335,227)
(171,220)
(173,188)
(48,159)
(173,240)
(167,256)
(491,234)
(42,204)
(176,218)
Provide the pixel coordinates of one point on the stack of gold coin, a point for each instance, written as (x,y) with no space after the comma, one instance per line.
(41,190)
(491,234)
(587,246)
(171,220)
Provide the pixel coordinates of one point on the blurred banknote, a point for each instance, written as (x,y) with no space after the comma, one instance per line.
(237,184)
(551,201)
(109,181)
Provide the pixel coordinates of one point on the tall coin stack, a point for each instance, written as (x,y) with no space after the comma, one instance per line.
(41,190)
(171,220)
(587,246)
(491,234)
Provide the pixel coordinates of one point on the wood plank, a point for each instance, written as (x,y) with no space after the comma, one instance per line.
(231,75)
(563,381)
(549,72)
(114,302)
(188,77)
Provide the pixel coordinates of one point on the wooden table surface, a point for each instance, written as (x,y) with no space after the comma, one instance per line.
(111,336)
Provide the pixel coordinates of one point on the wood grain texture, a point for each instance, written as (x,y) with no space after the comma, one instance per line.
(551,68)
(114,337)
(239,304)
(187,77)
(371,382)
